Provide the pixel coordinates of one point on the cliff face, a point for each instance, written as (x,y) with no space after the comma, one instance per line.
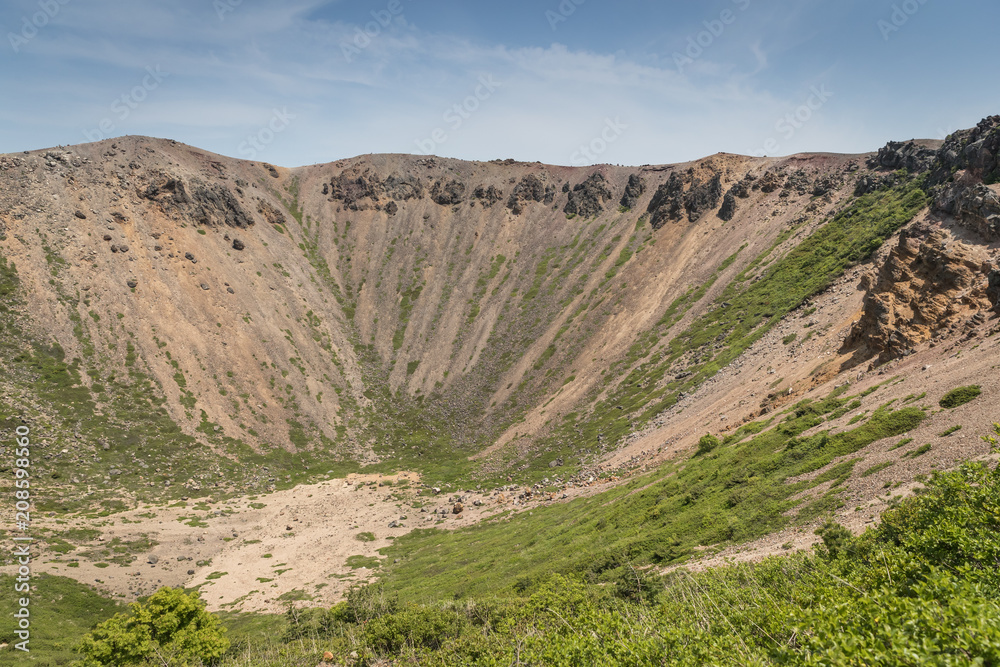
(933,283)
(930,285)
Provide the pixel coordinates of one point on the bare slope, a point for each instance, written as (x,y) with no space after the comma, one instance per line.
(180,324)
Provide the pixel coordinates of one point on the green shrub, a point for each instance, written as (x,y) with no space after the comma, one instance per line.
(835,537)
(706,444)
(171,628)
(364,604)
(413,627)
(960,396)
(365,537)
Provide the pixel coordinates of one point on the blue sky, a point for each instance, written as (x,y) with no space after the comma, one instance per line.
(560,81)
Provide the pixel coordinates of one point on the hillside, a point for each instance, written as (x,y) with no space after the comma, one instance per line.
(201,344)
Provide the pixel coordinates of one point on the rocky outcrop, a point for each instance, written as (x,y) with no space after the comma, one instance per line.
(964,175)
(671,200)
(667,202)
(868,183)
(769,182)
(826,184)
(741,189)
(530,188)
(587,199)
(210,205)
(448,194)
(908,155)
(487,196)
(635,188)
(798,182)
(925,287)
(993,288)
(270,213)
(976,150)
(362,190)
(728,209)
(976,205)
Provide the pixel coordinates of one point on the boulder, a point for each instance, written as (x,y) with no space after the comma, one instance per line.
(635,188)
(587,199)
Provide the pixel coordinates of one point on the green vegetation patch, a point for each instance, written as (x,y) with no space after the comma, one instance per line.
(960,396)
(731,493)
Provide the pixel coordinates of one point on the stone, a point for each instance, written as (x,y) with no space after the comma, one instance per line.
(80,214)
(132,283)
(728,210)
(448,194)
(457,508)
(238,244)
(488,195)
(587,199)
(633,191)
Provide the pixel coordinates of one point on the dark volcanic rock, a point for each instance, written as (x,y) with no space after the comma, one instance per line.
(871,182)
(270,213)
(530,188)
(993,288)
(80,214)
(903,155)
(797,182)
(210,205)
(488,196)
(238,245)
(671,201)
(587,198)
(633,191)
(769,182)
(667,202)
(360,190)
(392,208)
(826,184)
(448,194)
(977,206)
(743,187)
(728,210)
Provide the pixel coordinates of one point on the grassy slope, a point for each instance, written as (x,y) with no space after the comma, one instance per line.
(62,611)
(736,492)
